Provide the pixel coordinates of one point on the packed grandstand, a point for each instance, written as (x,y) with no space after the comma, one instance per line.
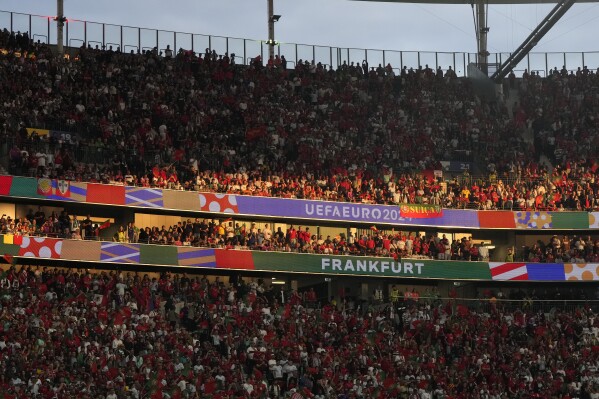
(76,334)
(356,134)
(307,132)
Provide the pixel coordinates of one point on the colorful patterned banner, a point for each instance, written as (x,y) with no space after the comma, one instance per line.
(119,253)
(276,208)
(44,187)
(222,203)
(94,251)
(144,197)
(187,256)
(582,271)
(40,247)
(78,191)
(533,220)
(527,271)
(62,190)
(550,220)
(12,239)
(508,271)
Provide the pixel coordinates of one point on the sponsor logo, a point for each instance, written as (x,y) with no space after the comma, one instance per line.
(421,211)
(357,212)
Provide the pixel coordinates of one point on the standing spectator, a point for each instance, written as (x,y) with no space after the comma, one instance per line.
(87,228)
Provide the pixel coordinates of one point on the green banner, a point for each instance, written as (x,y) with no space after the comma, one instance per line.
(24,187)
(383,267)
(158,254)
(570,220)
(8,249)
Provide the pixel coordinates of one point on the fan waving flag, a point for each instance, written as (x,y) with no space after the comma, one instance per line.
(104,225)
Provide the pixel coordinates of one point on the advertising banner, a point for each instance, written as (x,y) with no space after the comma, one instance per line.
(420,211)
(351,212)
(381,267)
(274,208)
(95,251)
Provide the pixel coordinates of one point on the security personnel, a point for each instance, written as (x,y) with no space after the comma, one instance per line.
(395,295)
(378,295)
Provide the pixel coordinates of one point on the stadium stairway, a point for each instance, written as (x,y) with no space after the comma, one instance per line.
(512,98)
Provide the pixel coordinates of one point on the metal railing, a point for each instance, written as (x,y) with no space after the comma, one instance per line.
(130,38)
(582,300)
(528,305)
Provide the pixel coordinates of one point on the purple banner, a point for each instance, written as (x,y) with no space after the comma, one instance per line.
(349,212)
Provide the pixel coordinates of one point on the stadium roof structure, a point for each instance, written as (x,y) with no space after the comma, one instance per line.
(480,8)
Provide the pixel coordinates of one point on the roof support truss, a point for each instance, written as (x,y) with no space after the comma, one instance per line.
(531,41)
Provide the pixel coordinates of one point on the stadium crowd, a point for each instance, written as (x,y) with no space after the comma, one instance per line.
(70,333)
(360,133)
(564,124)
(396,244)
(355,134)
(564,249)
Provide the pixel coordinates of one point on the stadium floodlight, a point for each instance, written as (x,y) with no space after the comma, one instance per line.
(272,18)
(60,20)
